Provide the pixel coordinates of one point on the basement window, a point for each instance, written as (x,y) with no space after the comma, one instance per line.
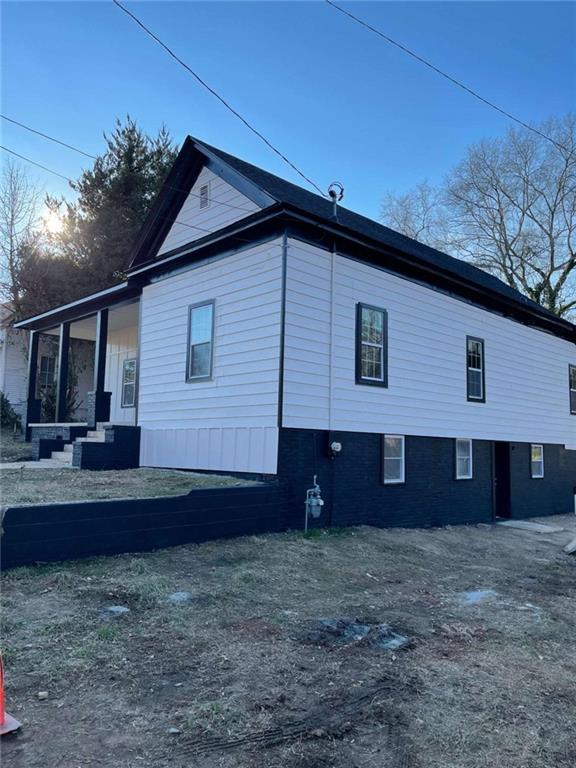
(393,459)
(204,196)
(129,383)
(536,461)
(200,341)
(371,345)
(464,467)
(572,389)
(475,369)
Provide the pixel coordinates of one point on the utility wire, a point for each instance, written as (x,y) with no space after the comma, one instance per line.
(443,74)
(46,136)
(164,218)
(220,98)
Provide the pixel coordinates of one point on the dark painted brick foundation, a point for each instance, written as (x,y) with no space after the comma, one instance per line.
(354,494)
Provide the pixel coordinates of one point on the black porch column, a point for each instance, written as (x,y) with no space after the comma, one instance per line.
(99,400)
(32,403)
(62,372)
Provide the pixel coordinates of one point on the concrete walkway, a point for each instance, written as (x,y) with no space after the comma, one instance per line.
(42,464)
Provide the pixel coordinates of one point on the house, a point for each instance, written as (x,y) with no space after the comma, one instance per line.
(264,329)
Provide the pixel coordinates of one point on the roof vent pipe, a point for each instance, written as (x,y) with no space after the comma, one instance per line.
(336,193)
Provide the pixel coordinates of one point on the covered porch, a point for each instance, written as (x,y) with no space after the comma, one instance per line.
(83,364)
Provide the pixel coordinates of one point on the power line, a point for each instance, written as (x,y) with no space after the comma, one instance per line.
(220,98)
(164,218)
(442,73)
(46,136)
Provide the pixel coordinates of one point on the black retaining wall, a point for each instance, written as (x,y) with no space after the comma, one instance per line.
(53,532)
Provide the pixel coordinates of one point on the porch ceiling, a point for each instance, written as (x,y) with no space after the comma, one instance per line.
(123,316)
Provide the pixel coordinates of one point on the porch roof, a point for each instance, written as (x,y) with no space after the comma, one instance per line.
(86,305)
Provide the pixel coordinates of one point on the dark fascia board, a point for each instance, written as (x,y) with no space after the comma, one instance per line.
(250,190)
(83,307)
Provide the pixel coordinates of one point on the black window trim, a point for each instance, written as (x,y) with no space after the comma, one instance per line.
(128,360)
(191,307)
(471,442)
(483,346)
(359,378)
(571,367)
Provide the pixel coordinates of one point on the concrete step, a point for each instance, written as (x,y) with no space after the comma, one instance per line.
(95,433)
(90,439)
(68,448)
(49,464)
(64,456)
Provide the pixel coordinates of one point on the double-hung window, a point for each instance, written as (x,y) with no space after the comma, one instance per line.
(371,346)
(394,470)
(46,372)
(200,341)
(464,464)
(128,383)
(475,378)
(572,374)
(536,461)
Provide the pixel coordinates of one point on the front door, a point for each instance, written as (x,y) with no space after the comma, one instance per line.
(502,479)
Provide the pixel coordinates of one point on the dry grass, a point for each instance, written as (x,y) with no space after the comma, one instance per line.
(235,672)
(35,486)
(13,449)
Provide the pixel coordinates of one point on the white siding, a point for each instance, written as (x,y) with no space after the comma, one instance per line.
(122,344)
(230,422)
(14,367)
(527,397)
(227,205)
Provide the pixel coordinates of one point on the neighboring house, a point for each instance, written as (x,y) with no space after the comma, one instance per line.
(263,329)
(14,365)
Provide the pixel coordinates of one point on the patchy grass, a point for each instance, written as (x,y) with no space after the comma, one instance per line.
(34,486)
(12,448)
(235,672)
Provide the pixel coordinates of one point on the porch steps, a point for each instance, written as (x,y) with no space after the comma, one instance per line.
(92,436)
(65,457)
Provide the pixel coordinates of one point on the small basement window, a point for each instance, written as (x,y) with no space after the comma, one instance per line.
(536,461)
(394,459)
(475,369)
(200,341)
(464,466)
(572,370)
(129,383)
(371,346)
(204,196)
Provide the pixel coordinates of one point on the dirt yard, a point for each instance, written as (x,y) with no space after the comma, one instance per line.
(35,486)
(12,448)
(237,670)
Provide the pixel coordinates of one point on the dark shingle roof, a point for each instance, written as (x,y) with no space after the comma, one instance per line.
(311,203)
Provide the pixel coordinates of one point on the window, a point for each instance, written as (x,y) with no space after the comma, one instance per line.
(475,369)
(204,196)
(371,346)
(464,459)
(46,372)
(572,371)
(393,450)
(128,383)
(536,461)
(200,341)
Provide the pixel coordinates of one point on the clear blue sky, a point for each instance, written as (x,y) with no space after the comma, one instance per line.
(340,102)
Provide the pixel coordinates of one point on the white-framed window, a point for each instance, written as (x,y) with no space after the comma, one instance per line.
(128,383)
(475,369)
(371,345)
(200,341)
(393,451)
(46,372)
(572,385)
(464,462)
(536,461)
(204,196)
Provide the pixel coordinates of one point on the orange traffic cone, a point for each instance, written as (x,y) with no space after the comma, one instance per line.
(7,722)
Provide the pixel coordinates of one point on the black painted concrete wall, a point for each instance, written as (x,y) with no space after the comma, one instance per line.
(53,532)
(352,488)
(551,495)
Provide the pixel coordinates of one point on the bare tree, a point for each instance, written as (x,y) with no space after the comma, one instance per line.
(510,207)
(19,201)
(419,213)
